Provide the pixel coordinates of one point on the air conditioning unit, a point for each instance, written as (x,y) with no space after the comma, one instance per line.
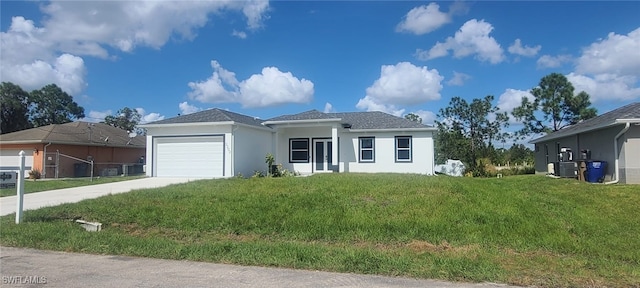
(568,169)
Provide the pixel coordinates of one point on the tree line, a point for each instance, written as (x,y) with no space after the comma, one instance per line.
(467,131)
(22,110)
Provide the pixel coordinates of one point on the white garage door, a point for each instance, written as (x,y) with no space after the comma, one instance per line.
(198,157)
(10,161)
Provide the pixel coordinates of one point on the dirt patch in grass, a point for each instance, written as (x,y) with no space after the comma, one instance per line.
(546,269)
(419,246)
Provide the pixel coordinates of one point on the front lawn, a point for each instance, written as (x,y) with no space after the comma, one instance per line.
(522,230)
(31,186)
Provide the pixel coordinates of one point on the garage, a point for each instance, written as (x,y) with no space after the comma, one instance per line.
(10,160)
(194,157)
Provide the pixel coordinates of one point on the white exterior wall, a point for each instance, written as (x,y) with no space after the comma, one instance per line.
(422,150)
(282,152)
(250,148)
(190,130)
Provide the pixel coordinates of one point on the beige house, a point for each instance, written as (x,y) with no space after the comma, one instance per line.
(613,137)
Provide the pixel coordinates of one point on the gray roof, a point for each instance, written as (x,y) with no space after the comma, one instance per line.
(627,112)
(76,133)
(212,115)
(357,120)
(308,115)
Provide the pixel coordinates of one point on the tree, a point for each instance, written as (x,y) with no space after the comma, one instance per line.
(126,119)
(559,107)
(14,107)
(413,117)
(518,153)
(450,143)
(471,122)
(51,105)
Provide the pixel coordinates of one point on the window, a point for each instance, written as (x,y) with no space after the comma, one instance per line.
(299,150)
(367,149)
(403,148)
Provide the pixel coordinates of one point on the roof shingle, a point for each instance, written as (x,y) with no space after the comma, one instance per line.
(212,115)
(630,111)
(76,133)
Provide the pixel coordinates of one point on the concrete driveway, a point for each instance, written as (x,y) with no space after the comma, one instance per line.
(76,194)
(38,268)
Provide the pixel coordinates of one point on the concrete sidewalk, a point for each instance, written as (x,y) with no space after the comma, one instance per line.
(76,194)
(37,268)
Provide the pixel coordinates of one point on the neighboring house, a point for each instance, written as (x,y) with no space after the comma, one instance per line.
(218,143)
(50,149)
(613,137)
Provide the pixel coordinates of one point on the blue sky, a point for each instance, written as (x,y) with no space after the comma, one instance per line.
(266,59)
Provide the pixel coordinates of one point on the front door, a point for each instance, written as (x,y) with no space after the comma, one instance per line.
(322,155)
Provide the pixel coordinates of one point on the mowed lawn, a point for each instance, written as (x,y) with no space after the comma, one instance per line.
(522,230)
(31,186)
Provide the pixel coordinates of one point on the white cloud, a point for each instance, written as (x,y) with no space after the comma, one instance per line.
(369,104)
(606,87)
(78,26)
(527,51)
(423,19)
(67,71)
(97,116)
(458,79)
(218,88)
(427,117)
(401,84)
(512,98)
(239,34)
(271,87)
(617,54)
(256,12)
(472,39)
(548,61)
(186,108)
(146,118)
(35,56)
(609,69)
(328,108)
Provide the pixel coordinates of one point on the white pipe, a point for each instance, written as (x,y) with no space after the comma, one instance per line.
(615,151)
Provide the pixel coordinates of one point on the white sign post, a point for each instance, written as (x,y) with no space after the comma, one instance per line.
(20,188)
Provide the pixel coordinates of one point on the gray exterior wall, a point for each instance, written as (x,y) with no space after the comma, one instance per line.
(630,156)
(547,152)
(600,142)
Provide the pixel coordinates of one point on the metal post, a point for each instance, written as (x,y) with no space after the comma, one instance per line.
(91,170)
(20,189)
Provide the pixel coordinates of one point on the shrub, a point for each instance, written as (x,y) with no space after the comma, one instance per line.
(35,174)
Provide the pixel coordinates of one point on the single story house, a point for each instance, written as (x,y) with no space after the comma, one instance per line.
(613,137)
(219,143)
(51,149)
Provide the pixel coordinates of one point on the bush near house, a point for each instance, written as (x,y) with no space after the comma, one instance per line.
(523,230)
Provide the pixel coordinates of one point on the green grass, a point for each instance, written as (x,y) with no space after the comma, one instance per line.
(31,186)
(523,230)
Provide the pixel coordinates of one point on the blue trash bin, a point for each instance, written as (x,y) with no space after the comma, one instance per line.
(596,171)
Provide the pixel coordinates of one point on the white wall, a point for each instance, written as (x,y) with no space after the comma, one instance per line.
(251,147)
(190,130)
(422,153)
(422,150)
(282,153)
